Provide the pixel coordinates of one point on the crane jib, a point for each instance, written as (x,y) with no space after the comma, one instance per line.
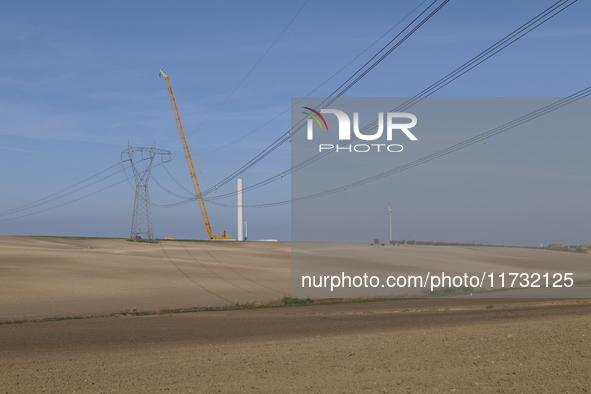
(222,234)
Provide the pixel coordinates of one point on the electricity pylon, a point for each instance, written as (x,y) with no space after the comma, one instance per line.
(141,224)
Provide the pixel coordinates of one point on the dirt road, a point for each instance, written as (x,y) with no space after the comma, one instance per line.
(445,345)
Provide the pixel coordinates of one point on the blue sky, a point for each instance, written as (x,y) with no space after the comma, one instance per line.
(79,80)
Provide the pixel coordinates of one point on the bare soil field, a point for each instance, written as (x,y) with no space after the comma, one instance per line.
(415,346)
(421,345)
(55,277)
(44,277)
(357,259)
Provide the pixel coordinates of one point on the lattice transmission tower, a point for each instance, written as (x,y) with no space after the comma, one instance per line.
(141,224)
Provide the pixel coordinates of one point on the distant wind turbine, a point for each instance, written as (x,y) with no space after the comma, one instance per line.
(390,213)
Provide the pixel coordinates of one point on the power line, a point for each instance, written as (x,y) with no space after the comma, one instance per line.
(48,199)
(361,72)
(265,124)
(165,189)
(251,70)
(503,43)
(177,182)
(512,37)
(322,84)
(509,39)
(471,141)
(299,125)
(100,169)
(66,203)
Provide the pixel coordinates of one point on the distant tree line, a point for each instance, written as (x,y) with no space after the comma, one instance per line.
(437,243)
(402,242)
(572,248)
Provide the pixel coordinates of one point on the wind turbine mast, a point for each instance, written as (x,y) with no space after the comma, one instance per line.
(390,213)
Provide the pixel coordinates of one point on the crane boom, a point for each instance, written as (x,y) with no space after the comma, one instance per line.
(222,234)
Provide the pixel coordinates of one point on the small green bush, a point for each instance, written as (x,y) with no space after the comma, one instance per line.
(296,301)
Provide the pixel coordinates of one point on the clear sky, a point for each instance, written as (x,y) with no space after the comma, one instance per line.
(79,80)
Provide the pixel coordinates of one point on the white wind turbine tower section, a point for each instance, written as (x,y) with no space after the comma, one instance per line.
(240,204)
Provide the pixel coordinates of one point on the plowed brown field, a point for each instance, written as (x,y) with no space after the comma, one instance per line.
(427,345)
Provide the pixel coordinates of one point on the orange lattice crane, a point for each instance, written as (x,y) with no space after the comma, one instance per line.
(222,234)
